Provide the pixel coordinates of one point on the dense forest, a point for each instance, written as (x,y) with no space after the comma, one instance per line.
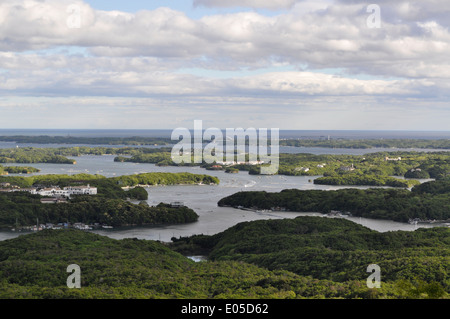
(428,201)
(337,250)
(21,209)
(34,265)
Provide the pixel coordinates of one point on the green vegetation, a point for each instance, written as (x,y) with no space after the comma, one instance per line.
(44,139)
(333,143)
(5,170)
(376,169)
(368,180)
(108,207)
(34,266)
(437,164)
(59,155)
(413,264)
(33,155)
(232,170)
(21,209)
(105,184)
(429,201)
(164,179)
(369,143)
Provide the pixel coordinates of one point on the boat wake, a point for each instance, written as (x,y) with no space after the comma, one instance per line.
(251,184)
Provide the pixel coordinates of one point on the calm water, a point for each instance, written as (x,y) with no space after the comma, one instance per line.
(203,199)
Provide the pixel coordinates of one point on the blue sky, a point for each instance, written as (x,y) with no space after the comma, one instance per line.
(186,6)
(289,64)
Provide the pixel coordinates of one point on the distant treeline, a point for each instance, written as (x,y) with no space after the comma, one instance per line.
(44,139)
(59,155)
(369,143)
(139,140)
(428,201)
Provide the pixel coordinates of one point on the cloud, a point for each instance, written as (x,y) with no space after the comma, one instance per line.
(313,55)
(335,36)
(264,4)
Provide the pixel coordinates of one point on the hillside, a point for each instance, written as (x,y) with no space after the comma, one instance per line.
(334,249)
(34,266)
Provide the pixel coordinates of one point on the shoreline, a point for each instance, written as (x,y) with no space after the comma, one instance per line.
(339,214)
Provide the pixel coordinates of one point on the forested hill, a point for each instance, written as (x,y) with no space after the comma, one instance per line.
(429,201)
(35,265)
(337,250)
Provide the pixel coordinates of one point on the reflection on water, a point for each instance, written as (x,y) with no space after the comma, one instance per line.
(203,199)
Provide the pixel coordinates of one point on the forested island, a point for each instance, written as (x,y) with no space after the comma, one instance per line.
(5,170)
(109,186)
(110,206)
(302,258)
(301,142)
(374,169)
(60,155)
(21,210)
(365,180)
(429,201)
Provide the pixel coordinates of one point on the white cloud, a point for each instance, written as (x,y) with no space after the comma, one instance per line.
(335,37)
(147,55)
(265,4)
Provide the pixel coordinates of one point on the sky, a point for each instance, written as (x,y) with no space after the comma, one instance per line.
(287,64)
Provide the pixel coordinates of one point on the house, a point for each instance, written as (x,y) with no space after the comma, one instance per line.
(177,204)
(50,191)
(392,159)
(29,190)
(58,192)
(347,168)
(240,163)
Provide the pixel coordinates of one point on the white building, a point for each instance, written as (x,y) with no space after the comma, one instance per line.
(66,192)
(81,190)
(51,191)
